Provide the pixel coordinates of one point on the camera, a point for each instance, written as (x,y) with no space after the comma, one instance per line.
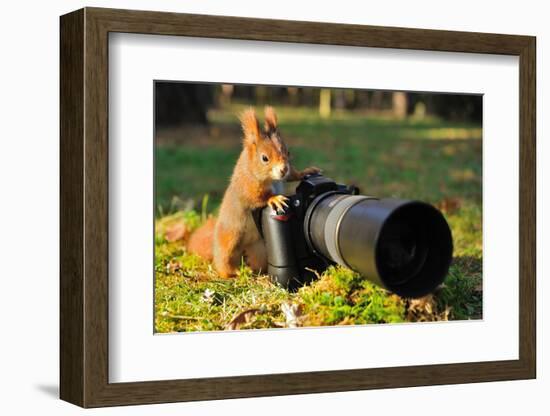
(404,246)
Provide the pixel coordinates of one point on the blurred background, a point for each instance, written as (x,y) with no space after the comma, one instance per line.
(392,144)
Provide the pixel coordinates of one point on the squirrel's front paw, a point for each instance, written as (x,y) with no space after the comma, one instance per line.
(310,171)
(277,202)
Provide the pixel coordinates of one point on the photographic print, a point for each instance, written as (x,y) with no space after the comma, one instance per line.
(286,207)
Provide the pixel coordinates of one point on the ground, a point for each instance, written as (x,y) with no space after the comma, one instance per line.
(427,159)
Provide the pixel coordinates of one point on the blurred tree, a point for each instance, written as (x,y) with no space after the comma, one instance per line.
(339,98)
(350,98)
(309,96)
(455,107)
(293,97)
(226,94)
(419,111)
(362,99)
(185,103)
(324,103)
(399,104)
(182,103)
(377,98)
(262,94)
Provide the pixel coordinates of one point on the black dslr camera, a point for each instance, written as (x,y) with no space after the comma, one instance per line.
(402,245)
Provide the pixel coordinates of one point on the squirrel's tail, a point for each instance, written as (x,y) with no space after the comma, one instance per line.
(200,242)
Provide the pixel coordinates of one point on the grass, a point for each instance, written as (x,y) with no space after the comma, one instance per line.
(425,159)
(383,156)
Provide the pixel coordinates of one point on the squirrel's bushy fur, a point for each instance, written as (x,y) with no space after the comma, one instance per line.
(264,158)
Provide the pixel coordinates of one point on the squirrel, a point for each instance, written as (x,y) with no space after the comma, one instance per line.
(263,159)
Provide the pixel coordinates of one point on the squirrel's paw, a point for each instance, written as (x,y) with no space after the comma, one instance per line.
(310,171)
(277,202)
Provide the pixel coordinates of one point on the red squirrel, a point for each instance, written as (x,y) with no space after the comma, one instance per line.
(264,159)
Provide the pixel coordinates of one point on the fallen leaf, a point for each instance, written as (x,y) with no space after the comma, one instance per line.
(449,205)
(292,314)
(241,319)
(173,266)
(177,231)
(425,310)
(208,296)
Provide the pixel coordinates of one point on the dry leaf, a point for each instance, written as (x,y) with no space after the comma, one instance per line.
(177,231)
(208,296)
(292,314)
(449,205)
(241,319)
(425,310)
(173,266)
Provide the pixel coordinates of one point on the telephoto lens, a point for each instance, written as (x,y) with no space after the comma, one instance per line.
(402,245)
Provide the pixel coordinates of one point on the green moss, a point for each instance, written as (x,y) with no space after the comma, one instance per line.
(189,295)
(341,296)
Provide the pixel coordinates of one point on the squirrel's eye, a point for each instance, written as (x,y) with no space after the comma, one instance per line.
(265,159)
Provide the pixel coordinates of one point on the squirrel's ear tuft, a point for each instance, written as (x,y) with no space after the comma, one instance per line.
(270,119)
(251,126)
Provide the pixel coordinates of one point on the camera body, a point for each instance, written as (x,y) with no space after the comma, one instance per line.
(404,246)
(292,259)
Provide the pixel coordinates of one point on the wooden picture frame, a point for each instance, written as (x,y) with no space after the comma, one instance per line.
(84,207)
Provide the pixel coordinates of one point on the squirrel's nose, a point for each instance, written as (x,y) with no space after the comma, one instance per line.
(283,171)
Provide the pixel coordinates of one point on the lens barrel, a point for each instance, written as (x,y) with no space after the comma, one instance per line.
(405,246)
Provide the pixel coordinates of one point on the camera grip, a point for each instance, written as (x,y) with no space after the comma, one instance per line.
(281,258)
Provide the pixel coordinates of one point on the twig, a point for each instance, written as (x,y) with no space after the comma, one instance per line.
(187,318)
